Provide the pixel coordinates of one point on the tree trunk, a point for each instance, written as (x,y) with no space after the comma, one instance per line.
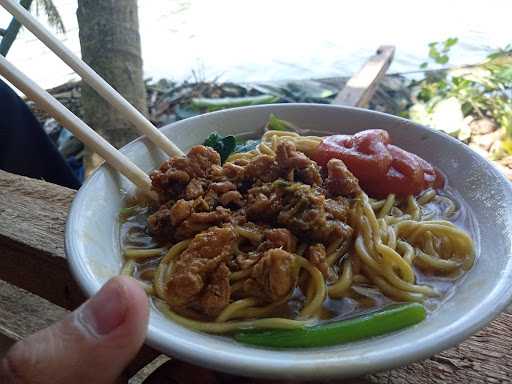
(110,43)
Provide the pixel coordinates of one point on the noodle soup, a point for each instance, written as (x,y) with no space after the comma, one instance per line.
(272,239)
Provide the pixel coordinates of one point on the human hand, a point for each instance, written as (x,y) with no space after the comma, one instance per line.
(93,344)
(96,342)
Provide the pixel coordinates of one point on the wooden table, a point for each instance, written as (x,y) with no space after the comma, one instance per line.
(32,219)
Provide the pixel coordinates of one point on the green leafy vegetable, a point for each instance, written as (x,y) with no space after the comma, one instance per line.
(230,102)
(223,145)
(378,323)
(277,124)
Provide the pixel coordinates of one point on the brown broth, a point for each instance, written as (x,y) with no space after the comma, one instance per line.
(364,298)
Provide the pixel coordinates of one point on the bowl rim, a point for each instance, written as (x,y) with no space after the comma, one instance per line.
(497,299)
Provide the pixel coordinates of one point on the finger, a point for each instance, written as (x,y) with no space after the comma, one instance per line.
(91,345)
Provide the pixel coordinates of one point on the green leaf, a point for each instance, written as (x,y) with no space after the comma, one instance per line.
(425,94)
(457,80)
(424,65)
(442,85)
(223,145)
(442,59)
(504,74)
(433,53)
(466,108)
(212,140)
(450,42)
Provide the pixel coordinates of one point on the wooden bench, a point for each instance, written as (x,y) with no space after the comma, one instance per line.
(32,219)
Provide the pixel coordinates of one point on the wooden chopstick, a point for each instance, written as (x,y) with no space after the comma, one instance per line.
(140,122)
(81,130)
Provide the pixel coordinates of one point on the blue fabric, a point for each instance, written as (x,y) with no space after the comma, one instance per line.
(25,149)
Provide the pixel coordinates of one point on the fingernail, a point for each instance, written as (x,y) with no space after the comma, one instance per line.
(107,309)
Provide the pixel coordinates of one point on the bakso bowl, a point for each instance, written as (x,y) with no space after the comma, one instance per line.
(94,250)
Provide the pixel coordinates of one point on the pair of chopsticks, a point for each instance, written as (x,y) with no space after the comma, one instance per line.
(81,130)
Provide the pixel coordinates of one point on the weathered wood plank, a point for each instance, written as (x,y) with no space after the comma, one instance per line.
(22,313)
(360,88)
(32,217)
(32,220)
(483,358)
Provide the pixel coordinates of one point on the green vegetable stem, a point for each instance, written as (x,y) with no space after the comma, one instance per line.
(230,102)
(277,124)
(378,323)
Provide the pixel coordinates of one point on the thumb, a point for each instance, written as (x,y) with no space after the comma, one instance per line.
(93,344)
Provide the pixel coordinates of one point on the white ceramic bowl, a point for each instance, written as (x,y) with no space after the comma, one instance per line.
(93,247)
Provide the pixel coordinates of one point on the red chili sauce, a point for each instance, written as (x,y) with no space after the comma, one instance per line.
(382,168)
